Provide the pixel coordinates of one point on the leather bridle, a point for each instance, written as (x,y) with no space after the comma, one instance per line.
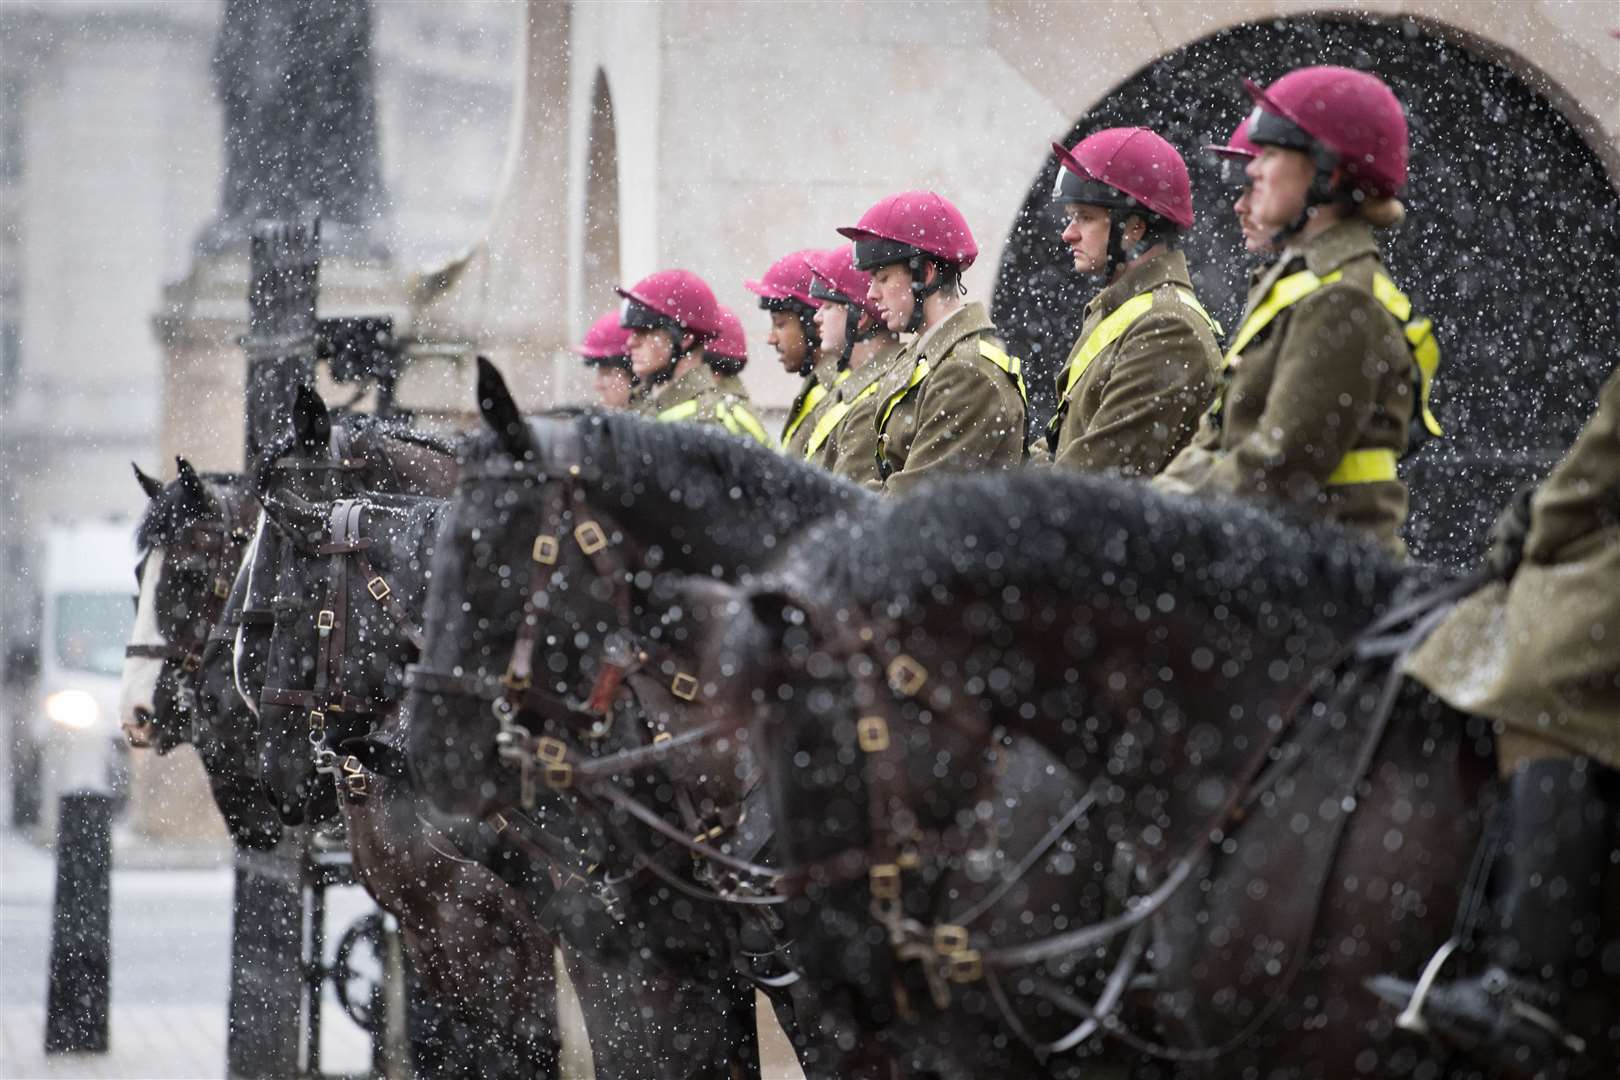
(218,544)
(346,551)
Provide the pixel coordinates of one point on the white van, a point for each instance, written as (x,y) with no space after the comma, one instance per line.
(87,594)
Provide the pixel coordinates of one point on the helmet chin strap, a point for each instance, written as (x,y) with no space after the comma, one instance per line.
(1322,192)
(812,341)
(920,291)
(1118,254)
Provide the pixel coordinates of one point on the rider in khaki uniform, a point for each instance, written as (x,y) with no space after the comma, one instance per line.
(670,315)
(1320,384)
(954,401)
(784,293)
(606,351)
(1537,651)
(842,437)
(1144,367)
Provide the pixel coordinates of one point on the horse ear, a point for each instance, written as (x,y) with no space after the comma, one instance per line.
(190,481)
(500,411)
(312,423)
(151,485)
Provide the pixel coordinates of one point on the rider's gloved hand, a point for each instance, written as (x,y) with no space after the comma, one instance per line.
(1509,534)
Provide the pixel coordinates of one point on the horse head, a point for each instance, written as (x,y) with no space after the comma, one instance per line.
(191,539)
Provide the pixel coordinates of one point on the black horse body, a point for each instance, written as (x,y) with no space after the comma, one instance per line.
(1165,651)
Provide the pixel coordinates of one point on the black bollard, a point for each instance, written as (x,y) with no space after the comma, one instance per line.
(76,1012)
(267,966)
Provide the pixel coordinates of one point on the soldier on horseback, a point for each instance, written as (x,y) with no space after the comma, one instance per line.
(784,293)
(1144,367)
(1323,379)
(671,315)
(1536,651)
(954,400)
(1235,155)
(727,354)
(606,351)
(843,438)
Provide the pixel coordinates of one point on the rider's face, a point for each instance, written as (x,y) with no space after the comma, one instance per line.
(650,352)
(831,319)
(1086,233)
(612,386)
(1256,239)
(891,292)
(787,338)
(1279,182)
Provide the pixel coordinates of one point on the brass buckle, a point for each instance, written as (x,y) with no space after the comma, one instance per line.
(190,662)
(872,732)
(559,776)
(498,822)
(590,536)
(545,549)
(515,683)
(684,686)
(325,619)
(966,966)
(950,938)
(551,751)
(317,719)
(222,588)
(378,588)
(906,676)
(351,765)
(885,881)
(662,736)
(356,783)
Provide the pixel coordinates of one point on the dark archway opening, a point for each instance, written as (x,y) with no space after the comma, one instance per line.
(1511,244)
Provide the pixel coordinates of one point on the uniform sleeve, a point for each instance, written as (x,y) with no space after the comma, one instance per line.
(1159,383)
(1581,496)
(1340,346)
(971,419)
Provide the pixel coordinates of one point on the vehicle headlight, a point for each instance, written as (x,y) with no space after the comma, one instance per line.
(72,709)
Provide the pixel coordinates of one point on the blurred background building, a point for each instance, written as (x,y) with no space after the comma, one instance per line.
(535,154)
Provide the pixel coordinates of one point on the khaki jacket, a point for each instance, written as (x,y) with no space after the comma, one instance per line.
(843,439)
(809,405)
(1138,401)
(959,413)
(698,398)
(1329,375)
(1540,655)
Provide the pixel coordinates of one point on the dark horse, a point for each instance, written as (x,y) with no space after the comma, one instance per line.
(191,540)
(329,673)
(563,543)
(1263,837)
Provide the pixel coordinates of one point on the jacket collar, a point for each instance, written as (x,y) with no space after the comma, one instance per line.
(1167,268)
(942,337)
(1338,244)
(684,388)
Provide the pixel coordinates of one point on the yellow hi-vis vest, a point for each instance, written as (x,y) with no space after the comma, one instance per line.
(735,417)
(1105,334)
(1013,366)
(812,398)
(1358,466)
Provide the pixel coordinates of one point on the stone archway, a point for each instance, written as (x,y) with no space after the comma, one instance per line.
(599,259)
(1510,244)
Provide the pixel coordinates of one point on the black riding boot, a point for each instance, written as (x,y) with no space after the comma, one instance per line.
(1544,926)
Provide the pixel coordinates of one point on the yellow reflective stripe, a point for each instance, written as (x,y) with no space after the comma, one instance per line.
(1286,291)
(1010,364)
(739,421)
(684,411)
(1107,332)
(918,374)
(1364,467)
(1186,296)
(812,398)
(832,418)
(1419,339)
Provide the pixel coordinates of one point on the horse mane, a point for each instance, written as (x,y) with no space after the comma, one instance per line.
(701,467)
(1047,534)
(172,511)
